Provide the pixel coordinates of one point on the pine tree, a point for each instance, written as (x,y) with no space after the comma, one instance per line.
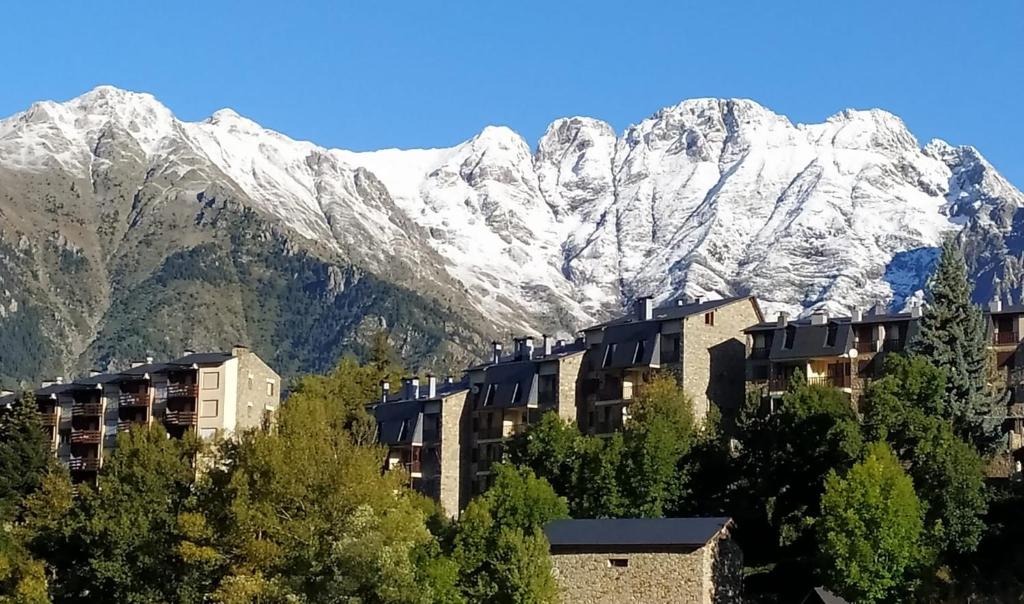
(24,452)
(953,338)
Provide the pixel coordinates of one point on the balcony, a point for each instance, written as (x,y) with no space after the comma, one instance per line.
(833,381)
(894,345)
(867,347)
(609,426)
(49,419)
(759,353)
(125,425)
(134,399)
(413,467)
(614,393)
(84,464)
(182,390)
(1005,337)
(86,437)
(181,418)
(484,465)
(87,409)
(501,432)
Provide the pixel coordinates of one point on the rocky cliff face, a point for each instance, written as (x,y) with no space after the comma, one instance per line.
(117,220)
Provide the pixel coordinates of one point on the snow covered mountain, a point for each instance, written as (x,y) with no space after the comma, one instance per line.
(709,197)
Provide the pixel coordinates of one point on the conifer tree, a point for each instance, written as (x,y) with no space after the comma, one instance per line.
(24,452)
(953,337)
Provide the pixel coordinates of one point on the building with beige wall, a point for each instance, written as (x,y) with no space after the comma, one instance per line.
(423,429)
(702,342)
(199,393)
(641,560)
(841,352)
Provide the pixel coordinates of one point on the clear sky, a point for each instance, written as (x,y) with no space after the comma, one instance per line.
(374,74)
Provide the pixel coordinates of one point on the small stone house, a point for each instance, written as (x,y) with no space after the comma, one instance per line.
(669,560)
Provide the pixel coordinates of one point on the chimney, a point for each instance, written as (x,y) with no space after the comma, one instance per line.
(47,383)
(94,372)
(644,308)
(546,339)
(410,388)
(698,299)
(58,380)
(237,350)
(449,380)
(681,302)
(187,352)
(856,315)
(915,311)
(495,352)
(385,390)
(149,360)
(517,349)
(135,364)
(559,344)
(995,305)
(783,319)
(431,386)
(528,347)
(819,317)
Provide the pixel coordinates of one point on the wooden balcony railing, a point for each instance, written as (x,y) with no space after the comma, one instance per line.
(181,418)
(894,345)
(867,347)
(86,437)
(84,464)
(87,409)
(134,399)
(835,381)
(413,467)
(49,419)
(760,353)
(125,425)
(1005,337)
(608,427)
(182,390)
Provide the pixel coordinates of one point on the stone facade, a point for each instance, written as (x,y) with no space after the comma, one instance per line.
(454,489)
(708,575)
(714,357)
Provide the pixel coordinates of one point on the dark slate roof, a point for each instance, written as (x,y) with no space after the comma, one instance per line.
(812,341)
(867,319)
(142,370)
(1007,309)
(820,595)
(201,358)
(565,350)
(94,380)
(673,311)
(513,384)
(8,399)
(53,389)
(399,422)
(625,337)
(619,532)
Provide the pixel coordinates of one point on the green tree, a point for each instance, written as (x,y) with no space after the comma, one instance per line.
(306,513)
(120,541)
(25,455)
(953,337)
(871,529)
(22,578)
(906,408)
(499,541)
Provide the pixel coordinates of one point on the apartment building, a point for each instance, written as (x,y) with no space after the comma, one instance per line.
(842,352)
(424,431)
(701,341)
(1006,327)
(198,393)
(510,392)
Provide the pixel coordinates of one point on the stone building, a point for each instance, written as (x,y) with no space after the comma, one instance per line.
(843,352)
(510,392)
(667,560)
(199,393)
(423,430)
(701,341)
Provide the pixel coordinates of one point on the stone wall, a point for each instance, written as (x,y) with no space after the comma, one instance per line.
(709,575)
(568,375)
(714,358)
(454,479)
(259,390)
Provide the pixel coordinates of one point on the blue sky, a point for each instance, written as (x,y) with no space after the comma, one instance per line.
(412,74)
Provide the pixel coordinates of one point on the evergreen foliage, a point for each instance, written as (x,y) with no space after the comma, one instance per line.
(25,453)
(953,337)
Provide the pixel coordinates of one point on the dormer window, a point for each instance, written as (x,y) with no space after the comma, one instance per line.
(492,391)
(830,336)
(638,353)
(517,394)
(790,337)
(609,354)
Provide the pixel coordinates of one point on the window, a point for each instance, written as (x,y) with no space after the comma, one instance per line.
(211,380)
(270,388)
(609,354)
(790,337)
(249,382)
(709,318)
(207,433)
(830,336)
(517,394)
(492,391)
(618,562)
(209,408)
(638,353)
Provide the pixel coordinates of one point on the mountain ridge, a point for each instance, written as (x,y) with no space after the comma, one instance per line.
(709,197)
